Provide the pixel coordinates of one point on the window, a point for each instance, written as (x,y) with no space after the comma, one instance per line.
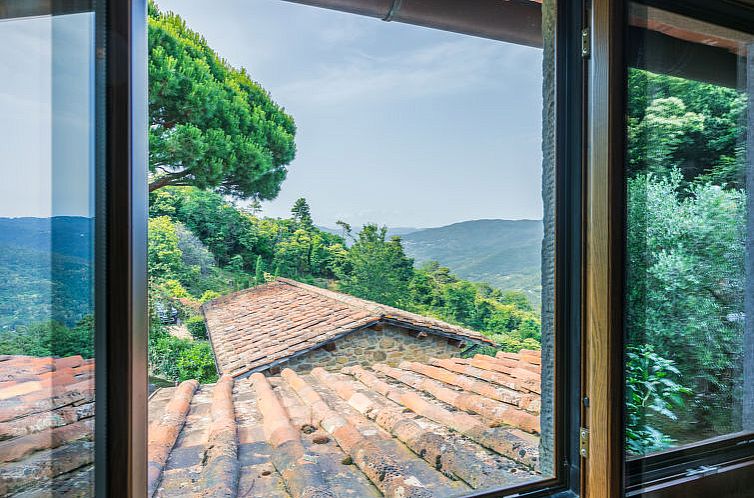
(352,249)
(689,352)
(48,227)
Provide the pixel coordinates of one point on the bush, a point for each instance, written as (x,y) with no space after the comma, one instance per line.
(180,359)
(50,339)
(685,288)
(164,351)
(652,397)
(197,362)
(208,296)
(195,326)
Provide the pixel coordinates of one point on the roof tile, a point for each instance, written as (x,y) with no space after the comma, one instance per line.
(252,328)
(367,431)
(46,424)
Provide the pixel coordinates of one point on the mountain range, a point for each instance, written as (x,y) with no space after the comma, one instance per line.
(46,263)
(507,254)
(45,270)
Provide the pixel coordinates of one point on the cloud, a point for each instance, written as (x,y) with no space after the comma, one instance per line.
(426,72)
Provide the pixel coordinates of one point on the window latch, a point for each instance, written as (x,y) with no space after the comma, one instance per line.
(584,442)
(586,43)
(704,470)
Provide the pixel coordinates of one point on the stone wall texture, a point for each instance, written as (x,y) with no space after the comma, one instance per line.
(548,245)
(390,345)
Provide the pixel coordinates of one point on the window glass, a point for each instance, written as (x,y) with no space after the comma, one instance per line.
(688,296)
(46,255)
(351,248)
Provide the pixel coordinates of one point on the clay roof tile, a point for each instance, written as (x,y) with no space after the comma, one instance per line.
(248,329)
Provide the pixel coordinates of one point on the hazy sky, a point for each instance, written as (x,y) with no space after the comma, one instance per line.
(397,124)
(46,150)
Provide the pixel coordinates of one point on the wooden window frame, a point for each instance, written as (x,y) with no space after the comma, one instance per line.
(607,474)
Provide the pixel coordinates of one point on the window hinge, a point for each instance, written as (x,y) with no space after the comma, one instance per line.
(586,43)
(584,442)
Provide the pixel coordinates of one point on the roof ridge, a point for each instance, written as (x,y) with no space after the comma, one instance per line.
(384,310)
(353,301)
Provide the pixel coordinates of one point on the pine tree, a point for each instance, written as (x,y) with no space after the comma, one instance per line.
(259,271)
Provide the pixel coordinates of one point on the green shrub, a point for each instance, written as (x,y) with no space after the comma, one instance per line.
(652,396)
(50,339)
(164,351)
(197,362)
(195,326)
(208,296)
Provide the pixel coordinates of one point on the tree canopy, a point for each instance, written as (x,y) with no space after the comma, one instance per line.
(211,126)
(686,241)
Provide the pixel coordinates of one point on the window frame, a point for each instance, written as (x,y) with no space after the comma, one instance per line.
(121,228)
(121,294)
(120,190)
(675,472)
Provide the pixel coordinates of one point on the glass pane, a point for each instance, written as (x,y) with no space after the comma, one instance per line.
(690,355)
(46,255)
(351,250)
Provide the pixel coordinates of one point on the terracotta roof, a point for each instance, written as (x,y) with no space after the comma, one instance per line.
(46,425)
(255,328)
(413,431)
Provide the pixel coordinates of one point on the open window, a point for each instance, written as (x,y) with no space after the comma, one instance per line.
(688,235)
(383,304)
(568,184)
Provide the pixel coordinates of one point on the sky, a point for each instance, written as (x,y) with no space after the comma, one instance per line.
(46,151)
(398,125)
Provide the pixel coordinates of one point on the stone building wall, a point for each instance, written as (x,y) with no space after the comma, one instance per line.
(389,345)
(549,176)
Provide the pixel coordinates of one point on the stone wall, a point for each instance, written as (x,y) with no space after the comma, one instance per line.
(549,174)
(389,345)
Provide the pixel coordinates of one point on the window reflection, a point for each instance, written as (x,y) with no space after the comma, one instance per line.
(47,400)
(687,169)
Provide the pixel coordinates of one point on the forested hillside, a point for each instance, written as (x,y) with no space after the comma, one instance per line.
(45,270)
(506,254)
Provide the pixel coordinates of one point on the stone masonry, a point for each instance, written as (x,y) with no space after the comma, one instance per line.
(386,344)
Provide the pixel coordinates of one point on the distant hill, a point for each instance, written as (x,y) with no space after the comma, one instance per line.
(391,231)
(45,270)
(504,253)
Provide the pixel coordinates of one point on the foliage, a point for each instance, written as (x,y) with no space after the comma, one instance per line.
(686,235)
(194,253)
(375,268)
(686,283)
(506,316)
(211,126)
(196,327)
(698,128)
(259,271)
(180,359)
(225,230)
(652,394)
(46,268)
(165,258)
(197,362)
(301,214)
(208,296)
(50,339)
(238,239)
